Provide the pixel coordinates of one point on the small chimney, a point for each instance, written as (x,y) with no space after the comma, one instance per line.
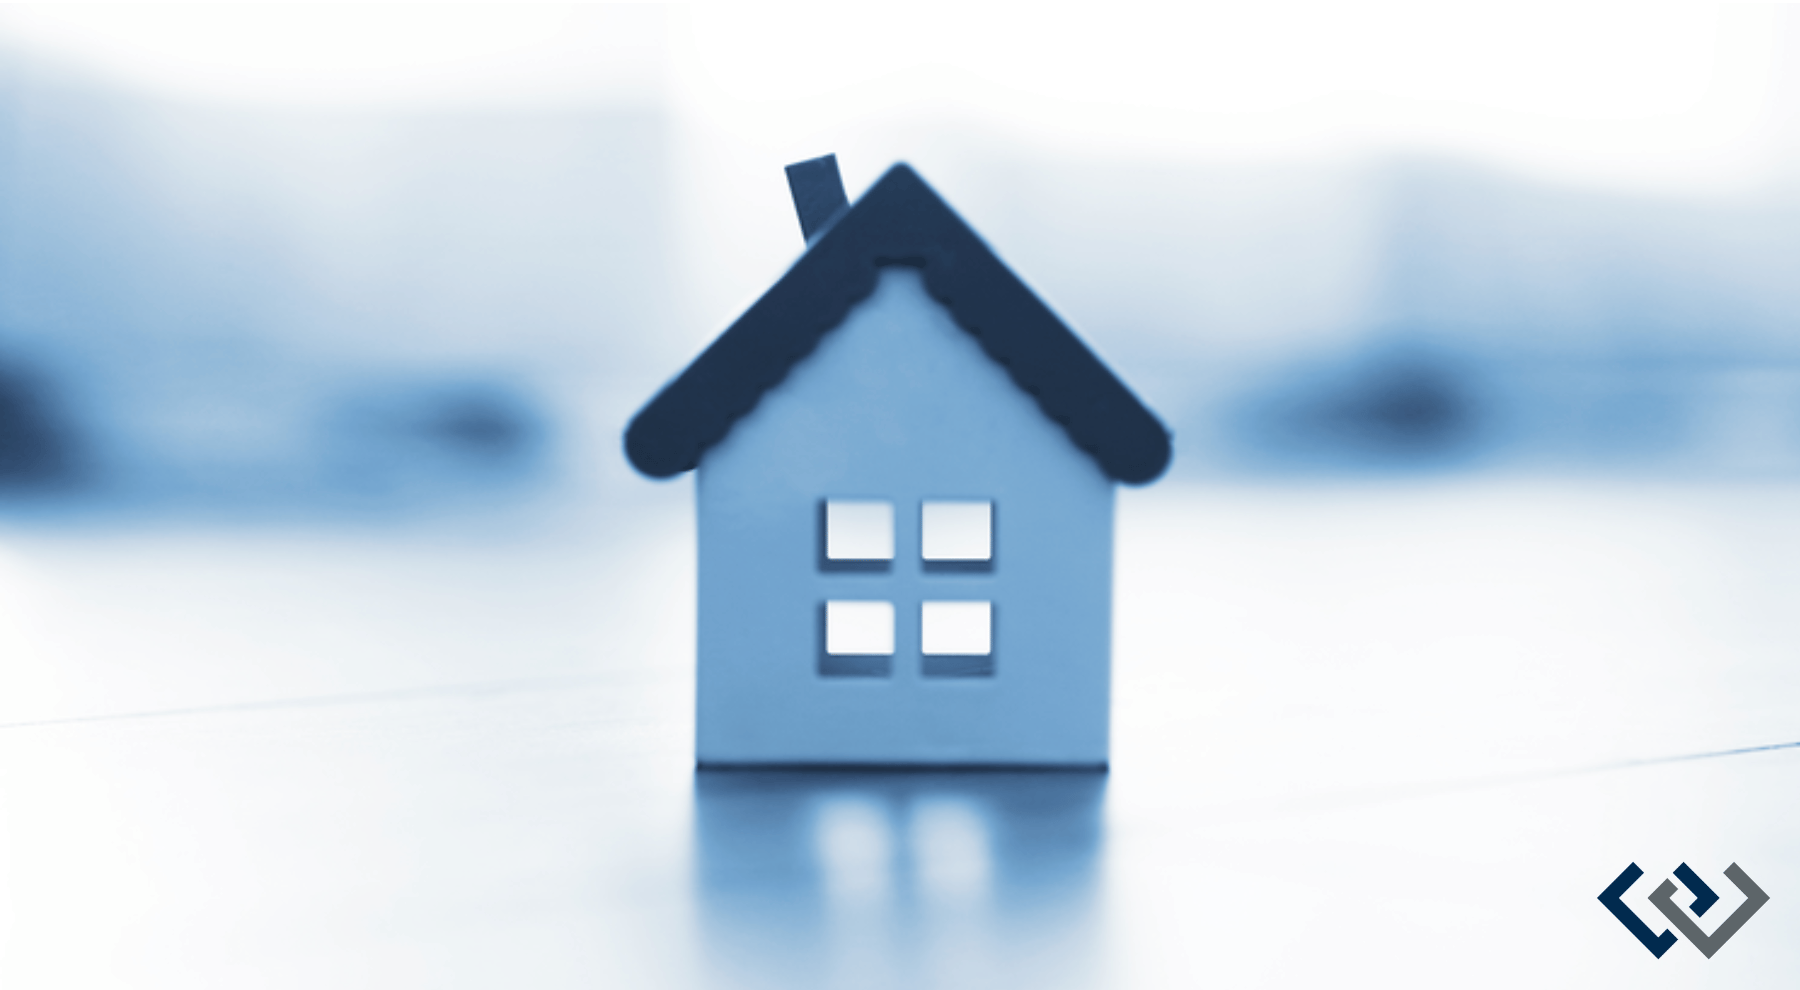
(818,193)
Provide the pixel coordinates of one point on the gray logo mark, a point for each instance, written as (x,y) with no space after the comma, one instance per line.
(1754,898)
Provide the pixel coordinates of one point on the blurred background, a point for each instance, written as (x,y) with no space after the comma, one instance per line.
(339,645)
(305,260)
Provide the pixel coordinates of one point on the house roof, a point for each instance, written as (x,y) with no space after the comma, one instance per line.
(899,221)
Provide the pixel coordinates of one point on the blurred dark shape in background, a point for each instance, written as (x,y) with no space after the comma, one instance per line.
(407,439)
(299,309)
(37,448)
(1399,409)
(480,425)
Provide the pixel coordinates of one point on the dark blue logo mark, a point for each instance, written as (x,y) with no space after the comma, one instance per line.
(1663,900)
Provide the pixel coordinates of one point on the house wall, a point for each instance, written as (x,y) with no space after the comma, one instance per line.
(899,403)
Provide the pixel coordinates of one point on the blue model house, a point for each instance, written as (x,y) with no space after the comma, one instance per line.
(905,468)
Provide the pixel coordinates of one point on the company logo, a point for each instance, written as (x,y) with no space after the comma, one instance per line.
(1704,898)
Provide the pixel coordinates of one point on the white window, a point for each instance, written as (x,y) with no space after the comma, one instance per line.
(859,628)
(859,531)
(956,628)
(957,532)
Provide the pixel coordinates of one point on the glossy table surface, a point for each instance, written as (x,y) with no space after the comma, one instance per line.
(1395,733)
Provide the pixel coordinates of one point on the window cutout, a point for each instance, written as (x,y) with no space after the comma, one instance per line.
(957,639)
(957,536)
(858,639)
(856,535)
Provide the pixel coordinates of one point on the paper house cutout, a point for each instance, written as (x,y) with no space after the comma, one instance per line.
(905,468)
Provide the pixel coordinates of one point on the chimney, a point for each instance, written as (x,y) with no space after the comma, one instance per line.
(818,193)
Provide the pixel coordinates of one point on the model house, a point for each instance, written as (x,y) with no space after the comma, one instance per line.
(904,473)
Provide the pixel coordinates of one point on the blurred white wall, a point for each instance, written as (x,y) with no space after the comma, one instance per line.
(241,242)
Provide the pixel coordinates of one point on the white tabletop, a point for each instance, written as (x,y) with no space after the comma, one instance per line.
(1396,733)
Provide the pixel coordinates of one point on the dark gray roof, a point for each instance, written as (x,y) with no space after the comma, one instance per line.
(899,221)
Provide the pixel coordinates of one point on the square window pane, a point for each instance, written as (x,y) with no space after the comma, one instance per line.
(859,530)
(958,531)
(956,628)
(859,628)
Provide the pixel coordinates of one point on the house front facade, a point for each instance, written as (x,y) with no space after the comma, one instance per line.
(905,556)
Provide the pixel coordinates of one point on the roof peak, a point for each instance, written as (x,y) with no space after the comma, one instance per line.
(899,221)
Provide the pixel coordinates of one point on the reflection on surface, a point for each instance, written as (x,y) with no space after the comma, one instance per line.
(811,878)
